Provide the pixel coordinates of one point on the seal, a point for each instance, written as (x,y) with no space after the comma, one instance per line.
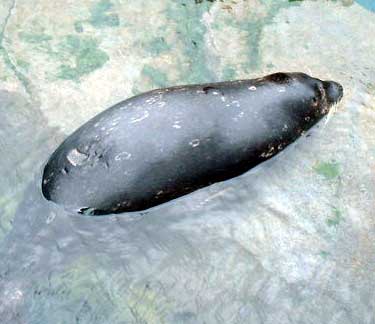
(166,143)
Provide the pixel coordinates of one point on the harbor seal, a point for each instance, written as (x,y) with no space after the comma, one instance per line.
(166,143)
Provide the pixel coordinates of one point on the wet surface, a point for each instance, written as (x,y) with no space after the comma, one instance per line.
(369,4)
(289,242)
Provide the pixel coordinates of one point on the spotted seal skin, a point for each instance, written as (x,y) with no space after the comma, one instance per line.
(166,143)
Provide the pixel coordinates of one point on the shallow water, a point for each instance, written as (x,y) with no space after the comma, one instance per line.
(369,4)
(289,242)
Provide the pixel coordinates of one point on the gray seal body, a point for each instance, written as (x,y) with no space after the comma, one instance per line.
(165,143)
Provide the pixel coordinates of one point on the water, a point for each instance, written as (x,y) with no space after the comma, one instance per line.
(289,242)
(369,4)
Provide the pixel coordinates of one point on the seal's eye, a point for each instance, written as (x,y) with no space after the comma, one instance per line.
(315,101)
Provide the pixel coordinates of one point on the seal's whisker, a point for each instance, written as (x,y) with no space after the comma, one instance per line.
(331,112)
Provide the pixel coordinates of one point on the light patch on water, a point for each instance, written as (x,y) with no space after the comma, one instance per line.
(14,295)
(215,195)
(161,104)
(50,218)
(331,112)
(252,88)
(17,295)
(75,157)
(282,89)
(223,99)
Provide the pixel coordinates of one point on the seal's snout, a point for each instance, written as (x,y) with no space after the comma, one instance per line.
(334,91)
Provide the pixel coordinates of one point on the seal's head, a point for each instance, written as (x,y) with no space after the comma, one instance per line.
(333,90)
(307,97)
